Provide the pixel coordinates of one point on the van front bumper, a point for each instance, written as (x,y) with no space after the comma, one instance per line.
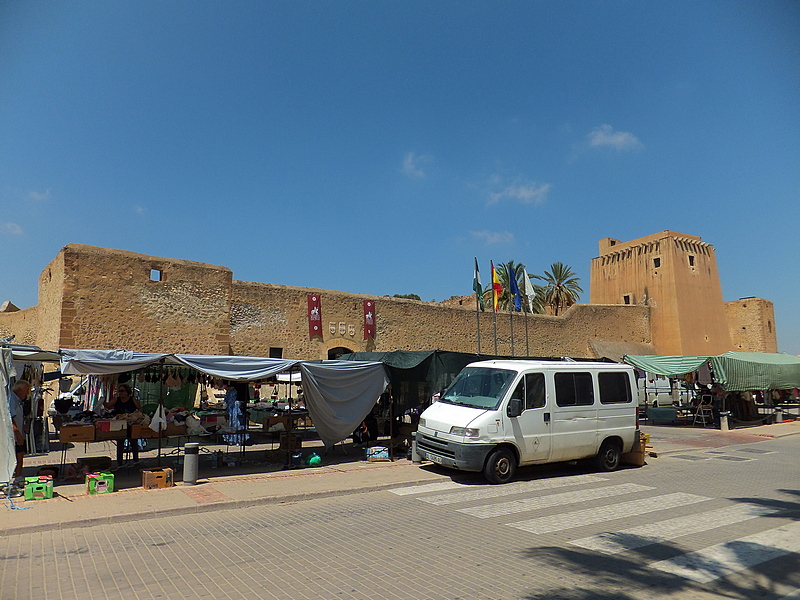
(456,455)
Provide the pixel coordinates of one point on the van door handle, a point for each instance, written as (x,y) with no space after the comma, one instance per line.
(546,417)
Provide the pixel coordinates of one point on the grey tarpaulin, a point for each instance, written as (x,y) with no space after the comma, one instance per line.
(236,368)
(103,362)
(339,394)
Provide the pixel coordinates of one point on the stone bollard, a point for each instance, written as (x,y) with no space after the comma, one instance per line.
(723,420)
(191,453)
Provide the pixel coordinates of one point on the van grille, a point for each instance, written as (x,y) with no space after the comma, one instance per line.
(434,445)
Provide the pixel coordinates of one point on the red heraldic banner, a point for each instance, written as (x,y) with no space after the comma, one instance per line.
(314,316)
(369,320)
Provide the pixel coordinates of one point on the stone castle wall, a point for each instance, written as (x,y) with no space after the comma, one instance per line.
(101,298)
(265,316)
(752,325)
(22,324)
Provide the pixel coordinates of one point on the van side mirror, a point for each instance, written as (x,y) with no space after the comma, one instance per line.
(514,407)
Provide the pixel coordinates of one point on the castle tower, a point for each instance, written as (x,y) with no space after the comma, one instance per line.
(676,276)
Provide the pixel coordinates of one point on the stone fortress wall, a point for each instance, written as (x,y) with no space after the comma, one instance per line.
(752,325)
(92,297)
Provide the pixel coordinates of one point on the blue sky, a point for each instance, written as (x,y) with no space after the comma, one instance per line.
(376,147)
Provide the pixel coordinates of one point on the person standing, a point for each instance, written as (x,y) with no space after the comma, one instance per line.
(19,393)
(124,402)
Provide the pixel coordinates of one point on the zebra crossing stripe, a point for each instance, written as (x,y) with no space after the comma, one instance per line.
(539,502)
(721,560)
(428,487)
(670,529)
(497,491)
(609,512)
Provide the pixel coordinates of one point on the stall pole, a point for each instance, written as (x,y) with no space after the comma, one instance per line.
(160,405)
(391,428)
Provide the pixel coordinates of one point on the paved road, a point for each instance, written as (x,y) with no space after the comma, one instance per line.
(714,523)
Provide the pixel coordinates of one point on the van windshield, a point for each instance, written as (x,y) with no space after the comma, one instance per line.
(479,387)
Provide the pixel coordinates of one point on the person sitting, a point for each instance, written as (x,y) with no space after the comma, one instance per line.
(124,402)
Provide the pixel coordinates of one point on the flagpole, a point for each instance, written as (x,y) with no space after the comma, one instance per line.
(478,318)
(511,321)
(527,348)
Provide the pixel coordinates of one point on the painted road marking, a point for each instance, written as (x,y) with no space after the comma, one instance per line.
(428,487)
(591,516)
(727,558)
(497,491)
(526,504)
(670,529)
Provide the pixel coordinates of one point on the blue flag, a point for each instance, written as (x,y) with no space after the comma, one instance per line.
(513,287)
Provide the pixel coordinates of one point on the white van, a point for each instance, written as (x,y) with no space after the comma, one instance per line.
(500,414)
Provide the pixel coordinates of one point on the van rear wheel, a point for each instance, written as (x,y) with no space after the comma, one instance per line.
(500,466)
(608,459)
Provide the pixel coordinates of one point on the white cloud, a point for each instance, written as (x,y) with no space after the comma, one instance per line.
(413,163)
(619,140)
(139,209)
(39,196)
(492,238)
(523,192)
(10,229)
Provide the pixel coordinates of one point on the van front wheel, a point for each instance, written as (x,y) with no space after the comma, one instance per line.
(608,459)
(500,466)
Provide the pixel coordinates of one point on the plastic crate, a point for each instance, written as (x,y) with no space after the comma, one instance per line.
(99,483)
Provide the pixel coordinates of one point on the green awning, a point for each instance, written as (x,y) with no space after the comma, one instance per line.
(743,371)
(672,366)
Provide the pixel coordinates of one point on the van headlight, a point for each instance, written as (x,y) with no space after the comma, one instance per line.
(422,422)
(464,431)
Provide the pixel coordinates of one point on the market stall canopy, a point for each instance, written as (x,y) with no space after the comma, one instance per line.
(236,368)
(33,353)
(672,366)
(743,371)
(103,362)
(338,394)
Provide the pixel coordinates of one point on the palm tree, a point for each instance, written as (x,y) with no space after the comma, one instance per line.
(505,301)
(561,289)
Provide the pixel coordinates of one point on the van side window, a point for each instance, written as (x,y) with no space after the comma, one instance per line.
(615,388)
(534,390)
(574,389)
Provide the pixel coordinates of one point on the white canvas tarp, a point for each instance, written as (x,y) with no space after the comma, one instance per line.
(8,458)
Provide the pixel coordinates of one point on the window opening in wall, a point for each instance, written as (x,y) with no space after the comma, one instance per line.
(155,274)
(276,352)
(769,326)
(691,260)
(656,262)
(626,299)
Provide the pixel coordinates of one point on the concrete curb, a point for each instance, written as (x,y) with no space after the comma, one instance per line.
(203,508)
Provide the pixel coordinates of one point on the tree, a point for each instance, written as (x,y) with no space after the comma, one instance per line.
(505,301)
(407,296)
(561,289)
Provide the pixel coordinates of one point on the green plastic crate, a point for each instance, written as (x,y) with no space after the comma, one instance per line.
(99,483)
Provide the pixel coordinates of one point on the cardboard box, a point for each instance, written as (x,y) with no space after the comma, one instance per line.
(271,422)
(111,425)
(99,483)
(142,432)
(39,488)
(175,429)
(157,478)
(110,430)
(377,454)
(636,455)
(76,433)
(296,442)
